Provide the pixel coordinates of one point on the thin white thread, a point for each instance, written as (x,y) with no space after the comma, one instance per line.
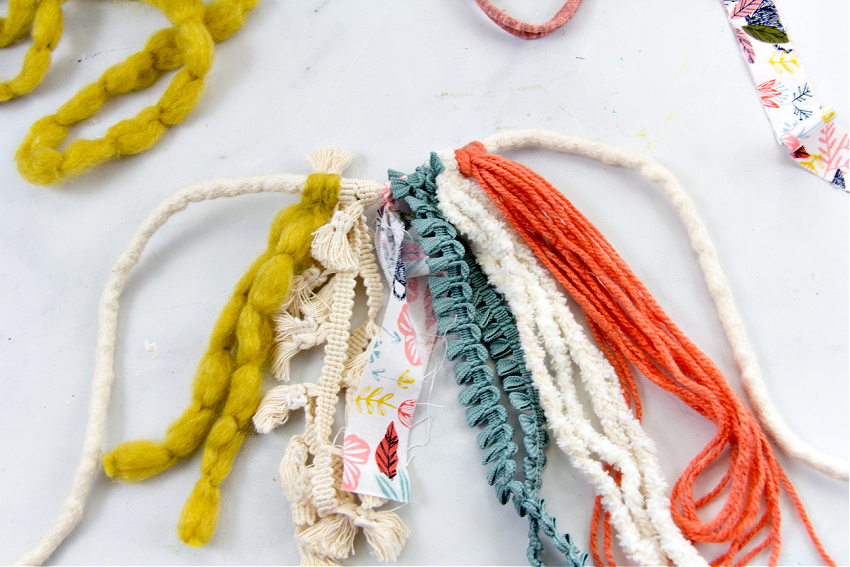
(718,287)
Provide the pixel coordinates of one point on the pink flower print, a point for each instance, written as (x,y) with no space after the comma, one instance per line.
(405,412)
(355,452)
(791,141)
(767,92)
(411,349)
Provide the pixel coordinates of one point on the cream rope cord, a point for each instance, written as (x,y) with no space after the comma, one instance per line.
(107,317)
(639,507)
(751,378)
(356,195)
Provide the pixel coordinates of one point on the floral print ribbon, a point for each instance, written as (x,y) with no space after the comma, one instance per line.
(799,121)
(378,424)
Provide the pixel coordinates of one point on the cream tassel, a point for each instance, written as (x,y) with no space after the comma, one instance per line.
(277,403)
(385,532)
(330,242)
(308,560)
(330,536)
(301,290)
(330,159)
(292,335)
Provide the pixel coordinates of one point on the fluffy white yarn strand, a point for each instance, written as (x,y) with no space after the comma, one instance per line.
(751,378)
(104,373)
(639,508)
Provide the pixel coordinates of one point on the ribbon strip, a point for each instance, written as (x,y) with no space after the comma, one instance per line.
(378,427)
(799,121)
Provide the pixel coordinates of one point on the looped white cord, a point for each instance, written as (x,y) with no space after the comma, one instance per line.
(751,377)
(104,373)
(639,507)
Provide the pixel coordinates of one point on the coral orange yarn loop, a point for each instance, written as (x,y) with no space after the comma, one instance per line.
(630,324)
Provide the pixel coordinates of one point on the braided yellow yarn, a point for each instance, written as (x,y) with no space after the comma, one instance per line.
(45,18)
(230,371)
(189,43)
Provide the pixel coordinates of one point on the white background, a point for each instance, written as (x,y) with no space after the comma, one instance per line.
(391,81)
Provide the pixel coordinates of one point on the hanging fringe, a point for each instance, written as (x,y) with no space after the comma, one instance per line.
(627,320)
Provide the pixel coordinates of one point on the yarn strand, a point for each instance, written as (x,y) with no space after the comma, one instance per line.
(245,326)
(104,371)
(189,43)
(529,31)
(45,19)
(630,321)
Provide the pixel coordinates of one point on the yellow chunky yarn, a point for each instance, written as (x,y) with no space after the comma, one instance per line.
(188,43)
(45,19)
(230,373)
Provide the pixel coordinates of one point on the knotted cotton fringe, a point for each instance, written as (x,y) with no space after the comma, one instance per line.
(319,312)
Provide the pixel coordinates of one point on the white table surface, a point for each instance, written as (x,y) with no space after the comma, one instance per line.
(391,81)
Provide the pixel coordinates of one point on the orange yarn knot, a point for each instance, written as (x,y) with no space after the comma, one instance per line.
(631,328)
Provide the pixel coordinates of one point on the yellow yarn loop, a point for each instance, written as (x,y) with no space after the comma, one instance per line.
(189,43)
(227,384)
(45,19)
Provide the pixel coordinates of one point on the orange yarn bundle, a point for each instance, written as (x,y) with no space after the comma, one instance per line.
(632,328)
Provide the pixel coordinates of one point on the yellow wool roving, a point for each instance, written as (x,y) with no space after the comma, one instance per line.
(189,44)
(227,384)
(44,18)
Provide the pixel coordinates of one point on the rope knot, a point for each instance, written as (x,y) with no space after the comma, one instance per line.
(342,221)
(330,243)
(466,154)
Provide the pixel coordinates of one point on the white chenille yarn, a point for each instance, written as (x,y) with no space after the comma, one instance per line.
(766,413)
(639,507)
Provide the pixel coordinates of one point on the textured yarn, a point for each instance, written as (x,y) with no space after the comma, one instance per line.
(466,304)
(624,317)
(529,31)
(189,44)
(45,19)
(234,378)
(104,371)
(327,519)
(619,461)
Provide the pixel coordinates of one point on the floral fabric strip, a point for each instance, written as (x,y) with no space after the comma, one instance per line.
(378,425)
(799,121)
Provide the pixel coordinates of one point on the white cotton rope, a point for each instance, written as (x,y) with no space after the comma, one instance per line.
(639,507)
(104,372)
(751,378)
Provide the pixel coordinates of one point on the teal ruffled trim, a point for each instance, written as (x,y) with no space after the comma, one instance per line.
(468,306)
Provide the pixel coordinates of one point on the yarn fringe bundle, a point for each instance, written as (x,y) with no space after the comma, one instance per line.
(466,304)
(189,44)
(632,328)
(620,461)
(498,299)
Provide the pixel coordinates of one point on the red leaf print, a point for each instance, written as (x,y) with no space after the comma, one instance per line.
(767,92)
(744,8)
(411,348)
(405,412)
(801,153)
(386,455)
